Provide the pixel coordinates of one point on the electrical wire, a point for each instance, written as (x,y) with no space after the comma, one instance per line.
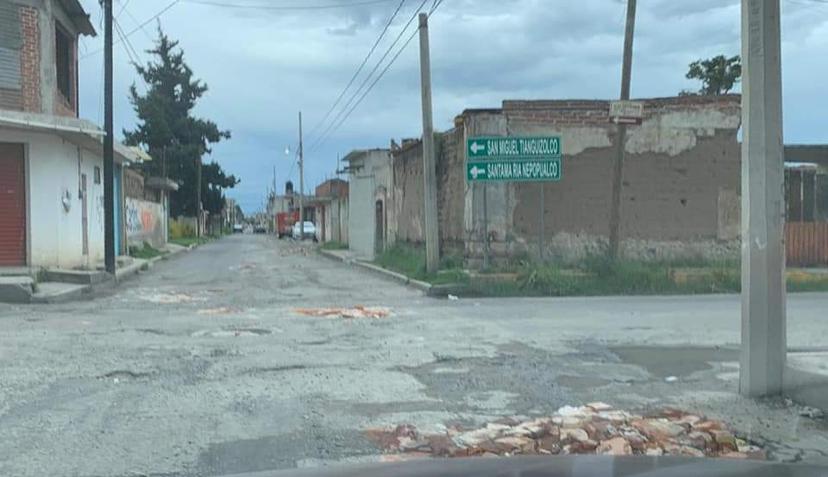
(325,134)
(123,7)
(143,29)
(216,3)
(142,25)
(435,6)
(358,70)
(125,43)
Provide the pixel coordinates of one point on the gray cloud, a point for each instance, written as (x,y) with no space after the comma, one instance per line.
(264,66)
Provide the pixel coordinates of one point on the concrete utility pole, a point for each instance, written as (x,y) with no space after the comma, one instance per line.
(618,169)
(301,182)
(109,146)
(764,341)
(432,236)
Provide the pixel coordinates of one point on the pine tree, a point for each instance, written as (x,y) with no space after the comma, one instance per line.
(171,134)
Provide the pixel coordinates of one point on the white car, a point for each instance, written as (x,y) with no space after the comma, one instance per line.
(310,231)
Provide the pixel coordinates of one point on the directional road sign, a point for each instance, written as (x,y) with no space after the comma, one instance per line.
(513,158)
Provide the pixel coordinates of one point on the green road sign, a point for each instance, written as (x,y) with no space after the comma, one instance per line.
(513,158)
(513,147)
(544,169)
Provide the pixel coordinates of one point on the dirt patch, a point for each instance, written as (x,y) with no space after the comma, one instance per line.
(357,311)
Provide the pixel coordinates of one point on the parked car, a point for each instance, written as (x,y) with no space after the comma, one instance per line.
(310,231)
(238,228)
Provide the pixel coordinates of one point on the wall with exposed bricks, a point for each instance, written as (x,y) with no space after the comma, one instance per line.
(680,187)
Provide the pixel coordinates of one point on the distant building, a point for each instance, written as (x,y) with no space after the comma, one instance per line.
(370,183)
(331,203)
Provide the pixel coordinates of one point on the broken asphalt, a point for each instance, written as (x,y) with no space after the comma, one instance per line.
(203,366)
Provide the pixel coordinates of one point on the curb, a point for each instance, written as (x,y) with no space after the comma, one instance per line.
(64,297)
(427,288)
(398,277)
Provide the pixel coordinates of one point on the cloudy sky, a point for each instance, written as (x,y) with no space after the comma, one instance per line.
(264,60)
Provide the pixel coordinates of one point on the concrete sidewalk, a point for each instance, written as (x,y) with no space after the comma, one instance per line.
(60,286)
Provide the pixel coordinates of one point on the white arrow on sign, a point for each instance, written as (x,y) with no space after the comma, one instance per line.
(476,172)
(477,147)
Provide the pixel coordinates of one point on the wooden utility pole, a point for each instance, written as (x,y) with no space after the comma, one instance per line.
(301,182)
(764,328)
(109,146)
(432,236)
(618,169)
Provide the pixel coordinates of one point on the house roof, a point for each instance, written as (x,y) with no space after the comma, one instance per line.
(75,12)
(77,131)
(359,153)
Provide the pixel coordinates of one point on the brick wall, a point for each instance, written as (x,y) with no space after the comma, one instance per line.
(596,112)
(681,179)
(332,188)
(30,59)
(408,199)
(63,106)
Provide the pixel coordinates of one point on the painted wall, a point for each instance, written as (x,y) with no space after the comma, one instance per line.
(371,181)
(145,223)
(54,166)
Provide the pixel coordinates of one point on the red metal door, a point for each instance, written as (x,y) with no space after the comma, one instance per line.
(12,205)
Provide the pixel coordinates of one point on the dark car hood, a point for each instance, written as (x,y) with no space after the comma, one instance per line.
(560,466)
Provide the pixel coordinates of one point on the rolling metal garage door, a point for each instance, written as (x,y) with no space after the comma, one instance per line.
(12,206)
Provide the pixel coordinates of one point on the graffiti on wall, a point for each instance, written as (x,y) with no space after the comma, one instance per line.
(144,222)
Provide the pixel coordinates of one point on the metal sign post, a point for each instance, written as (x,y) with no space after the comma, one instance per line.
(541,221)
(485,230)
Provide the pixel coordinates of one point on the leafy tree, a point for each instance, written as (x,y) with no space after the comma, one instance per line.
(172,135)
(718,74)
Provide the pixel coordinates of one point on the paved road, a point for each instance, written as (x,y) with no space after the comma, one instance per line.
(203,367)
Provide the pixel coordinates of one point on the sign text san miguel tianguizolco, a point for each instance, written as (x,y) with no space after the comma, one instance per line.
(513,158)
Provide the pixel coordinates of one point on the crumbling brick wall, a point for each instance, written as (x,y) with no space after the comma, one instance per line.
(680,185)
(408,202)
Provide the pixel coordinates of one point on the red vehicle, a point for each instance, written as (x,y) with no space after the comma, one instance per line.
(284,223)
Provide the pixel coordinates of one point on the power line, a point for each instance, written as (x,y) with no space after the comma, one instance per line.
(127,45)
(358,70)
(325,133)
(123,7)
(135,20)
(435,6)
(216,3)
(142,25)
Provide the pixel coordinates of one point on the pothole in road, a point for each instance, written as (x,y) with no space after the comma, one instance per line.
(675,361)
(233,332)
(124,374)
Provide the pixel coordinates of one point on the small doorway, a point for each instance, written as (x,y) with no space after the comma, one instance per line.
(84,215)
(12,205)
(379,237)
